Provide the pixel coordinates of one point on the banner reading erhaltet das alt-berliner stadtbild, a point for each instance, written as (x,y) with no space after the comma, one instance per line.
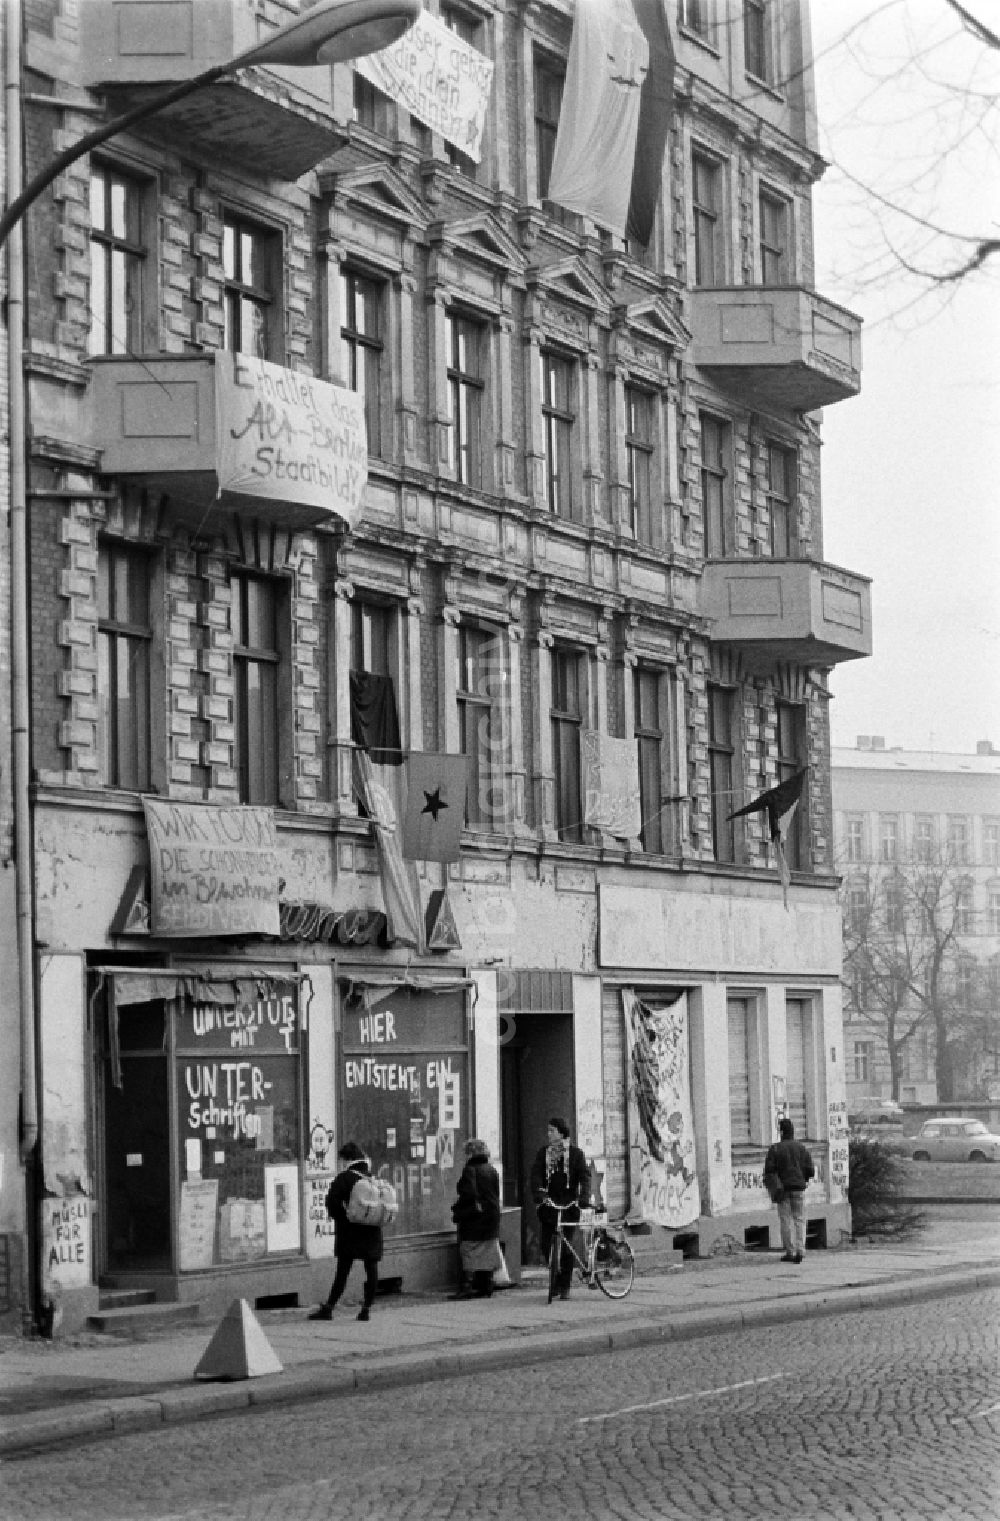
(287,436)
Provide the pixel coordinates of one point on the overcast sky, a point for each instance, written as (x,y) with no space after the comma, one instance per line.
(911,467)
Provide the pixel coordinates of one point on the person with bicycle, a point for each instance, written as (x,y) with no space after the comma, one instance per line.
(560,1173)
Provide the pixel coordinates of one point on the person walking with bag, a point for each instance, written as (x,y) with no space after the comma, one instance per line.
(353,1241)
(788,1167)
(560,1173)
(476,1212)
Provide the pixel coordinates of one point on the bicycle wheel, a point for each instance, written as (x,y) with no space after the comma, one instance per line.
(614,1265)
(554,1255)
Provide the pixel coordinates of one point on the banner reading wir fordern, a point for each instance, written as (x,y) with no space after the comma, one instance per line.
(213,869)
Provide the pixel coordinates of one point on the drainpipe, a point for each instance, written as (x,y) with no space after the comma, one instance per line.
(20,709)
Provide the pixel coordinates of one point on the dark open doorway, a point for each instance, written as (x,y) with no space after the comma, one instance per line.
(137,1147)
(536,1082)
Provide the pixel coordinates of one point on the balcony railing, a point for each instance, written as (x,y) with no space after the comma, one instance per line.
(780,346)
(279,119)
(796,610)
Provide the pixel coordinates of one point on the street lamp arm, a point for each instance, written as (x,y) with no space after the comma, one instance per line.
(15,211)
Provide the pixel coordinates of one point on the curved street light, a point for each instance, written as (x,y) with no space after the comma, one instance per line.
(332,31)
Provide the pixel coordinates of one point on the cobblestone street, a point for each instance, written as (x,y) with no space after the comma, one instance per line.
(889,1415)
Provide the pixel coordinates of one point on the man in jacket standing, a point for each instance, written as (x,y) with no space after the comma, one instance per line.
(787,1170)
(560,1173)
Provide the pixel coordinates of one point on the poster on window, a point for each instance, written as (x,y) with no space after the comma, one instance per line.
(664,1179)
(610,784)
(289,437)
(441,80)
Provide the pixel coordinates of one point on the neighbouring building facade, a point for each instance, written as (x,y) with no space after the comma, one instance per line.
(589,512)
(909,822)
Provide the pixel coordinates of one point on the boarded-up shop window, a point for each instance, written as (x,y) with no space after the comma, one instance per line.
(740,1024)
(239,1129)
(404,1098)
(616,1181)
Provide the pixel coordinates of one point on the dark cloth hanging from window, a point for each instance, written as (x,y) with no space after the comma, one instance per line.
(374,719)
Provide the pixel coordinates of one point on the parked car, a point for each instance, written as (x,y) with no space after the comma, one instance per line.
(954,1139)
(874,1111)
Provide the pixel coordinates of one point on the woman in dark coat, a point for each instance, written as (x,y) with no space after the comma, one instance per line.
(352,1240)
(476,1212)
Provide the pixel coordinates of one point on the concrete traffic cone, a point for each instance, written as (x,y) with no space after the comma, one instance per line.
(239,1348)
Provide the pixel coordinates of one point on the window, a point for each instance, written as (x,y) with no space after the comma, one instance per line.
(567,715)
(372,638)
(466,344)
(923,839)
(639,452)
(857,908)
(550,78)
(557,434)
(250,259)
(965,984)
(695,16)
(372,109)
(742,1033)
(775,240)
(894,908)
(256,663)
(781,489)
(888,837)
(993,911)
(862,1060)
(715,486)
(649,736)
(721,758)
(361,348)
(965,910)
(469,28)
(791,758)
(991,844)
(117,260)
(481,678)
(855,838)
(757,40)
(798,1063)
(123,657)
(706,197)
(958,841)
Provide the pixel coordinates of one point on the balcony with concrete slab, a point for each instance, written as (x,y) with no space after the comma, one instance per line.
(782,347)
(787,610)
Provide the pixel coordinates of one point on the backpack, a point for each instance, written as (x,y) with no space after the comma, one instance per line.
(372,1202)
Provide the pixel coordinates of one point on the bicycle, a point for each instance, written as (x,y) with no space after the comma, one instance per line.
(607,1264)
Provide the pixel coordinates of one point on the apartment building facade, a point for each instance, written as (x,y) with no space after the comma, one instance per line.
(925,820)
(591,512)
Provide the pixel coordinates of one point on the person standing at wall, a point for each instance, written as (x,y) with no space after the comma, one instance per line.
(476,1212)
(352,1240)
(560,1174)
(788,1167)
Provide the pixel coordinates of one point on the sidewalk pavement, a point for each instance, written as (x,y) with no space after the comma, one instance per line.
(91,1385)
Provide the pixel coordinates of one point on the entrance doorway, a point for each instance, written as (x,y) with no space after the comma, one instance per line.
(536,1082)
(137,1147)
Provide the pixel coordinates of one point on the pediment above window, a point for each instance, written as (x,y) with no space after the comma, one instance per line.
(375,192)
(570,281)
(652,320)
(479,239)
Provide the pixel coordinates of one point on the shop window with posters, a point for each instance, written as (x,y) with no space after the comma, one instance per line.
(404,1095)
(237,1087)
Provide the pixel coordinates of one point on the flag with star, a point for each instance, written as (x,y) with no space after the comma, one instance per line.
(435,806)
(779,804)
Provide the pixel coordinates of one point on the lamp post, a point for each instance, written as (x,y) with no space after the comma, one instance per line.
(331,31)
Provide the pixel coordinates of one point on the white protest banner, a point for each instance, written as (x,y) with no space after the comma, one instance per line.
(610,784)
(213,869)
(663,1174)
(286,436)
(440,79)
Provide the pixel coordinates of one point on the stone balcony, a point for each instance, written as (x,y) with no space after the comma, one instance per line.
(787,610)
(278,118)
(783,346)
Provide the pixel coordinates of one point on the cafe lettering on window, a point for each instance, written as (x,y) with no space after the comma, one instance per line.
(404,1097)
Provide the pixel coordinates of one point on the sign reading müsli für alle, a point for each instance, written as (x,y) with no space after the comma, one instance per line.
(213,869)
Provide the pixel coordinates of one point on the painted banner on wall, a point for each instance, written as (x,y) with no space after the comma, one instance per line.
(664,1180)
(290,437)
(213,869)
(439,78)
(611,784)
